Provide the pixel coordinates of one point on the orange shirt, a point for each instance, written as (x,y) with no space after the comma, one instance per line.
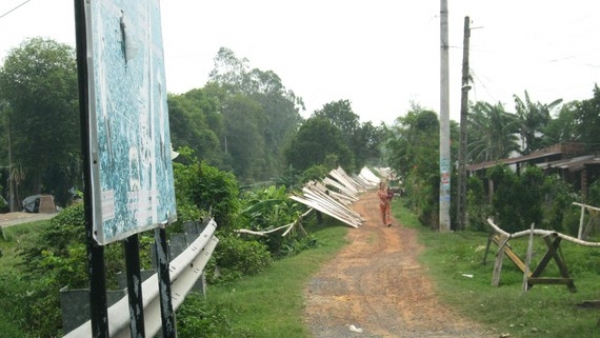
(383,197)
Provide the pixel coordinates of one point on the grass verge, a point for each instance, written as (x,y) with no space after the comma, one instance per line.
(543,311)
(264,306)
(11,284)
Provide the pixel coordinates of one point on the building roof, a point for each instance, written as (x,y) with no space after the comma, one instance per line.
(572,164)
(562,149)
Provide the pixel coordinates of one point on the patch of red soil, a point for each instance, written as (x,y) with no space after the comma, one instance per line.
(376,284)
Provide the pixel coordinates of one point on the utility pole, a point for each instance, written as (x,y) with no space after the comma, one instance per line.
(462,150)
(444,121)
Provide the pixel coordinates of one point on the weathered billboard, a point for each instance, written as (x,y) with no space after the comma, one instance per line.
(132,176)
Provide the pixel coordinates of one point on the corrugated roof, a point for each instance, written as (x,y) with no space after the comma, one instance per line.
(557,149)
(571,164)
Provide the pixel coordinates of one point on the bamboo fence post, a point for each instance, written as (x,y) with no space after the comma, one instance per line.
(528,259)
(581,222)
(498,264)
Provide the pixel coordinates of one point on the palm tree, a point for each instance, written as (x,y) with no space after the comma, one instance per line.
(492,131)
(533,118)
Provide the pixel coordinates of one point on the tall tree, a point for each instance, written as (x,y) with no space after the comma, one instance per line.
(413,150)
(39,81)
(243,141)
(367,143)
(189,127)
(563,127)
(281,110)
(317,139)
(341,115)
(413,143)
(588,120)
(533,118)
(492,133)
(280,107)
(228,69)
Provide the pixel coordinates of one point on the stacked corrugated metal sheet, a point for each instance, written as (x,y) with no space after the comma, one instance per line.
(336,192)
(331,196)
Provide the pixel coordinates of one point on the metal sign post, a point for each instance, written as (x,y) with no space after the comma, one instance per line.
(134,285)
(98,302)
(125,139)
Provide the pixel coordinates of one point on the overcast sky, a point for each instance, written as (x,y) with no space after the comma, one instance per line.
(379,54)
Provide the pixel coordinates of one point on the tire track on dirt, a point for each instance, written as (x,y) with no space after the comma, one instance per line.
(377,284)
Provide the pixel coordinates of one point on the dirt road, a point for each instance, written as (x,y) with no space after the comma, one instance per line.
(14,218)
(376,284)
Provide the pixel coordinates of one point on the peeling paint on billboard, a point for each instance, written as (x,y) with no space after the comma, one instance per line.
(132,175)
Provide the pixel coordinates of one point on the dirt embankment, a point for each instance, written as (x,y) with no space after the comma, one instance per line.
(377,285)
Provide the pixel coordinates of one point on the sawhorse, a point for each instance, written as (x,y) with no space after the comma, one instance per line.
(552,242)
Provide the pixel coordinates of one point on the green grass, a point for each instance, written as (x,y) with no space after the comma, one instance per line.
(266,305)
(11,240)
(11,283)
(543,311)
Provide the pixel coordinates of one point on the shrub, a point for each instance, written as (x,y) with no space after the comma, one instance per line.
(557,204)
(517,199)
(58,258)
(236,257)
(315,173)
(216,191)
(196,318)
(477,208)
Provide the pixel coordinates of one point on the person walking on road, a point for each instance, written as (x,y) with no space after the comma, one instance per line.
(384,203)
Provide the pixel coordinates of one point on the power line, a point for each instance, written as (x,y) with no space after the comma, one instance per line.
(12,10)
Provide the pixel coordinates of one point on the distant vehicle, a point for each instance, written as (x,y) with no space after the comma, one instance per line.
(39,204)
(31,204)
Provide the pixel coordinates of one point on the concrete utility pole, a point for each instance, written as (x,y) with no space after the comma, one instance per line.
(444,121)
(462,150)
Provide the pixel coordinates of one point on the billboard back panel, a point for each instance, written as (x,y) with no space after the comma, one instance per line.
(132,175)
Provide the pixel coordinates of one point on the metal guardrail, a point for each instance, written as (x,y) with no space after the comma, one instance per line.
(184,271)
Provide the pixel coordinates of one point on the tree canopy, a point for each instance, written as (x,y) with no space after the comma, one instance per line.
(39,81)
(364,140)
(317,139)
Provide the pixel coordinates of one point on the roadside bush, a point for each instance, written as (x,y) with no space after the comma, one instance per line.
(196,318)
(478,209)
(315,173)
(593,197)
(270,208)
(58,258)
(216,192)
(517,199)
(236,257)
(422,195)
(558,206)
